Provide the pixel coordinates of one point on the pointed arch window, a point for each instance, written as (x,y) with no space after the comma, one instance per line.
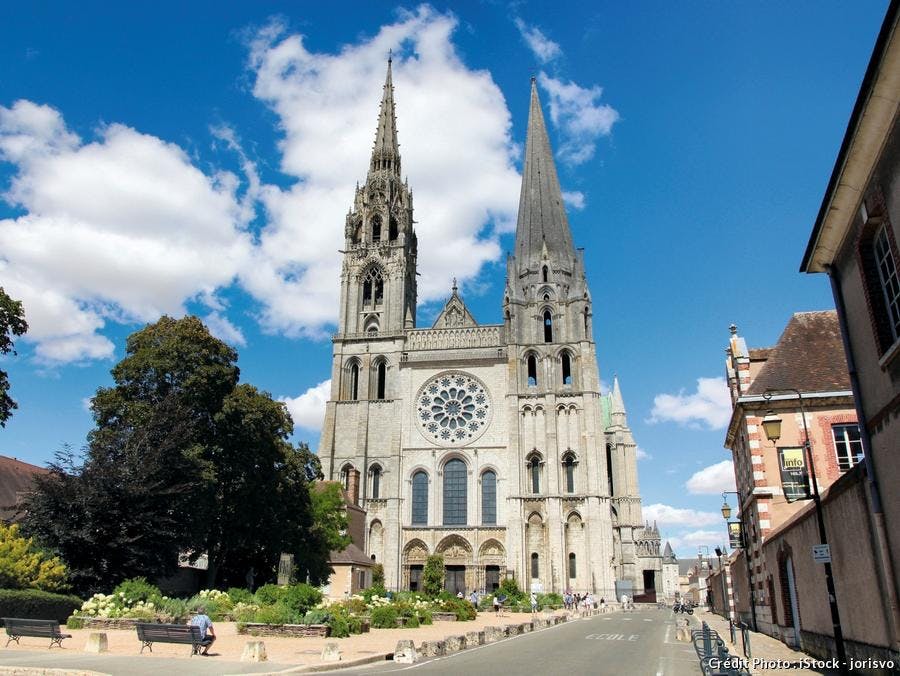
(548,327)
(532,370)
(392,229)
(609,469)
(566,366)
(586,330)
(380,379)
(346,471)
(353,382)
(455,496)
(376,228)
(573,568)
(373,287)
(420,499)
(489,498)
(376,481)
(544,273)
(569,469)
(535,566)
(534,473)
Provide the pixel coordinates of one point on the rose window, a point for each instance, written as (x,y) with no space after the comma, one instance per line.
(453,409)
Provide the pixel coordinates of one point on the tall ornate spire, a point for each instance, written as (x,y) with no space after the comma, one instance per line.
(386,152)
(618,404)
(542,227)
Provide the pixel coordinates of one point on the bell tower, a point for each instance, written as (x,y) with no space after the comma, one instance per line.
(378,275)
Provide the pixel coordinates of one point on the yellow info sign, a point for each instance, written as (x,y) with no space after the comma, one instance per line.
(792,459)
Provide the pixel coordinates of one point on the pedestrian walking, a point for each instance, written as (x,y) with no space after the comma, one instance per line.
(496,603)
(533,603)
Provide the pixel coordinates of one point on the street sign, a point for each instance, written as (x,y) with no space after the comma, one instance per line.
(822,553)
(735,536)
(794,477)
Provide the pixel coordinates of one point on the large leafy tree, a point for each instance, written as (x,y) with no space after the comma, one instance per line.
(12,323)
(182,459)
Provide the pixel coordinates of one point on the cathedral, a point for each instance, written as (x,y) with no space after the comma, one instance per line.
(490,444)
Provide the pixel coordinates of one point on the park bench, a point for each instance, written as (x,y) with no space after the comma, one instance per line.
(149,633)
(17,627)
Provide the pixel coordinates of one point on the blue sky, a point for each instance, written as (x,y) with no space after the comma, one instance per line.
(200,158)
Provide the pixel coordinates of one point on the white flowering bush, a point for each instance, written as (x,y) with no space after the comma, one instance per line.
(116,606)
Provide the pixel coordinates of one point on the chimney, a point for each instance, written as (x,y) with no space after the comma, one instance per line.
(353,486)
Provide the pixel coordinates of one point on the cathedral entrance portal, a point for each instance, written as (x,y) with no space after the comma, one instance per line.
(491,578)
(455,579)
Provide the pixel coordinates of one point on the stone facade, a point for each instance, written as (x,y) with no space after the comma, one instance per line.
(490,444)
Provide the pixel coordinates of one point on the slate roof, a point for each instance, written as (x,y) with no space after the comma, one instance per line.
(809,357)
(351,555)
(15,481)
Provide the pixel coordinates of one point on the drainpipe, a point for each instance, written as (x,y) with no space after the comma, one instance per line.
(885,565)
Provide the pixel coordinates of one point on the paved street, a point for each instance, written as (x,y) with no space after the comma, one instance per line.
(635,643)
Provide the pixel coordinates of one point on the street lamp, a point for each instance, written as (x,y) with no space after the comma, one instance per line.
(719,552)
(700,549)
(726,514)
(772,427)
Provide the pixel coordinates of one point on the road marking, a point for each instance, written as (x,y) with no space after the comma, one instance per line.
(612,637)
(626,619)
(647,619)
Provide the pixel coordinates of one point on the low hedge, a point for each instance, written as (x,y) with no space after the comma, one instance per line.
(37,605)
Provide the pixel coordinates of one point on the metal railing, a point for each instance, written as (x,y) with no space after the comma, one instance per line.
(715,660)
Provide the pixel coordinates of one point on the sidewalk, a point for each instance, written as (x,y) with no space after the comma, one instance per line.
(763,648)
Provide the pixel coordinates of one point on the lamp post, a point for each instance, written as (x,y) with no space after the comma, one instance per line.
(700,549)
(725,605)
(772,427)
(726,514)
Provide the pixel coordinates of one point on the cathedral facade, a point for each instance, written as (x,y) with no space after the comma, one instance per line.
(490,444)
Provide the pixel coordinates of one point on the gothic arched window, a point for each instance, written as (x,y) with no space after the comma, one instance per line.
(419,499)
(573,570)
(346,471)
(376,481)
(569,467)
(566,364)
(609,469)
(455,493)
(353,382)
(373,287)
(548,327)
(376,228)
(489,498)
(380,379)
(532,371)
(586,322)
(535,566)
(534,473)
(392,229)
(544,272)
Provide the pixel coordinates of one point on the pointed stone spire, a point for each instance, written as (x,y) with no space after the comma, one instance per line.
(668,554)
(542,224)
(618,404)
(386,152)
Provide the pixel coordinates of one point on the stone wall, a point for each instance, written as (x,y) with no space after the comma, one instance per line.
(296,630)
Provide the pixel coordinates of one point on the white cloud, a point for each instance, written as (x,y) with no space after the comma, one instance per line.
(712,480)
(576,112)
(543,47)
(125,227)
(688,544)
(642,454)
(709,405)
(223,329)
(308,410)
(666,515)
(449,118)
(574,199)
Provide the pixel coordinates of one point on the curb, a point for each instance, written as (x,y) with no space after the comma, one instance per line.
(331,666)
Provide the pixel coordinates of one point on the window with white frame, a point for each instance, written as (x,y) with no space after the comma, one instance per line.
(847,445)
(890,281)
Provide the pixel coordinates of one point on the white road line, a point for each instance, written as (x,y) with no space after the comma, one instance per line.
(647,619)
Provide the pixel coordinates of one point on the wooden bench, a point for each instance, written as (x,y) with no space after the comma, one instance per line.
(149,633)
(17,627)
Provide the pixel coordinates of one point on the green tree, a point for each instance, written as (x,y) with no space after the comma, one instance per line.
(12,323)
(182,459)
(330,526)
(433,575)
(24,566)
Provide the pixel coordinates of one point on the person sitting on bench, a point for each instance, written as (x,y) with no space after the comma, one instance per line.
(207,633)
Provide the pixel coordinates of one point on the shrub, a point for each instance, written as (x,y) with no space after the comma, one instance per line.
(239,595)
(37,605)
(356,624)
(384,617)
(138,589)
(173,610)
(339,627)
(317,617)
(426,618)
(433,575)
(412,622)
(270,594)
(244,612)
(276,614)
(462,608)
(23,565)
(551,599)
(374,590)
(75,622)
(511,591)
(300,598)
(378,575)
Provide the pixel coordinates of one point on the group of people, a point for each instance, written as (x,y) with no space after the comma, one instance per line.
(578,601)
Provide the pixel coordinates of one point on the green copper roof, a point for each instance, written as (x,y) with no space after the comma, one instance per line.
(605,410)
